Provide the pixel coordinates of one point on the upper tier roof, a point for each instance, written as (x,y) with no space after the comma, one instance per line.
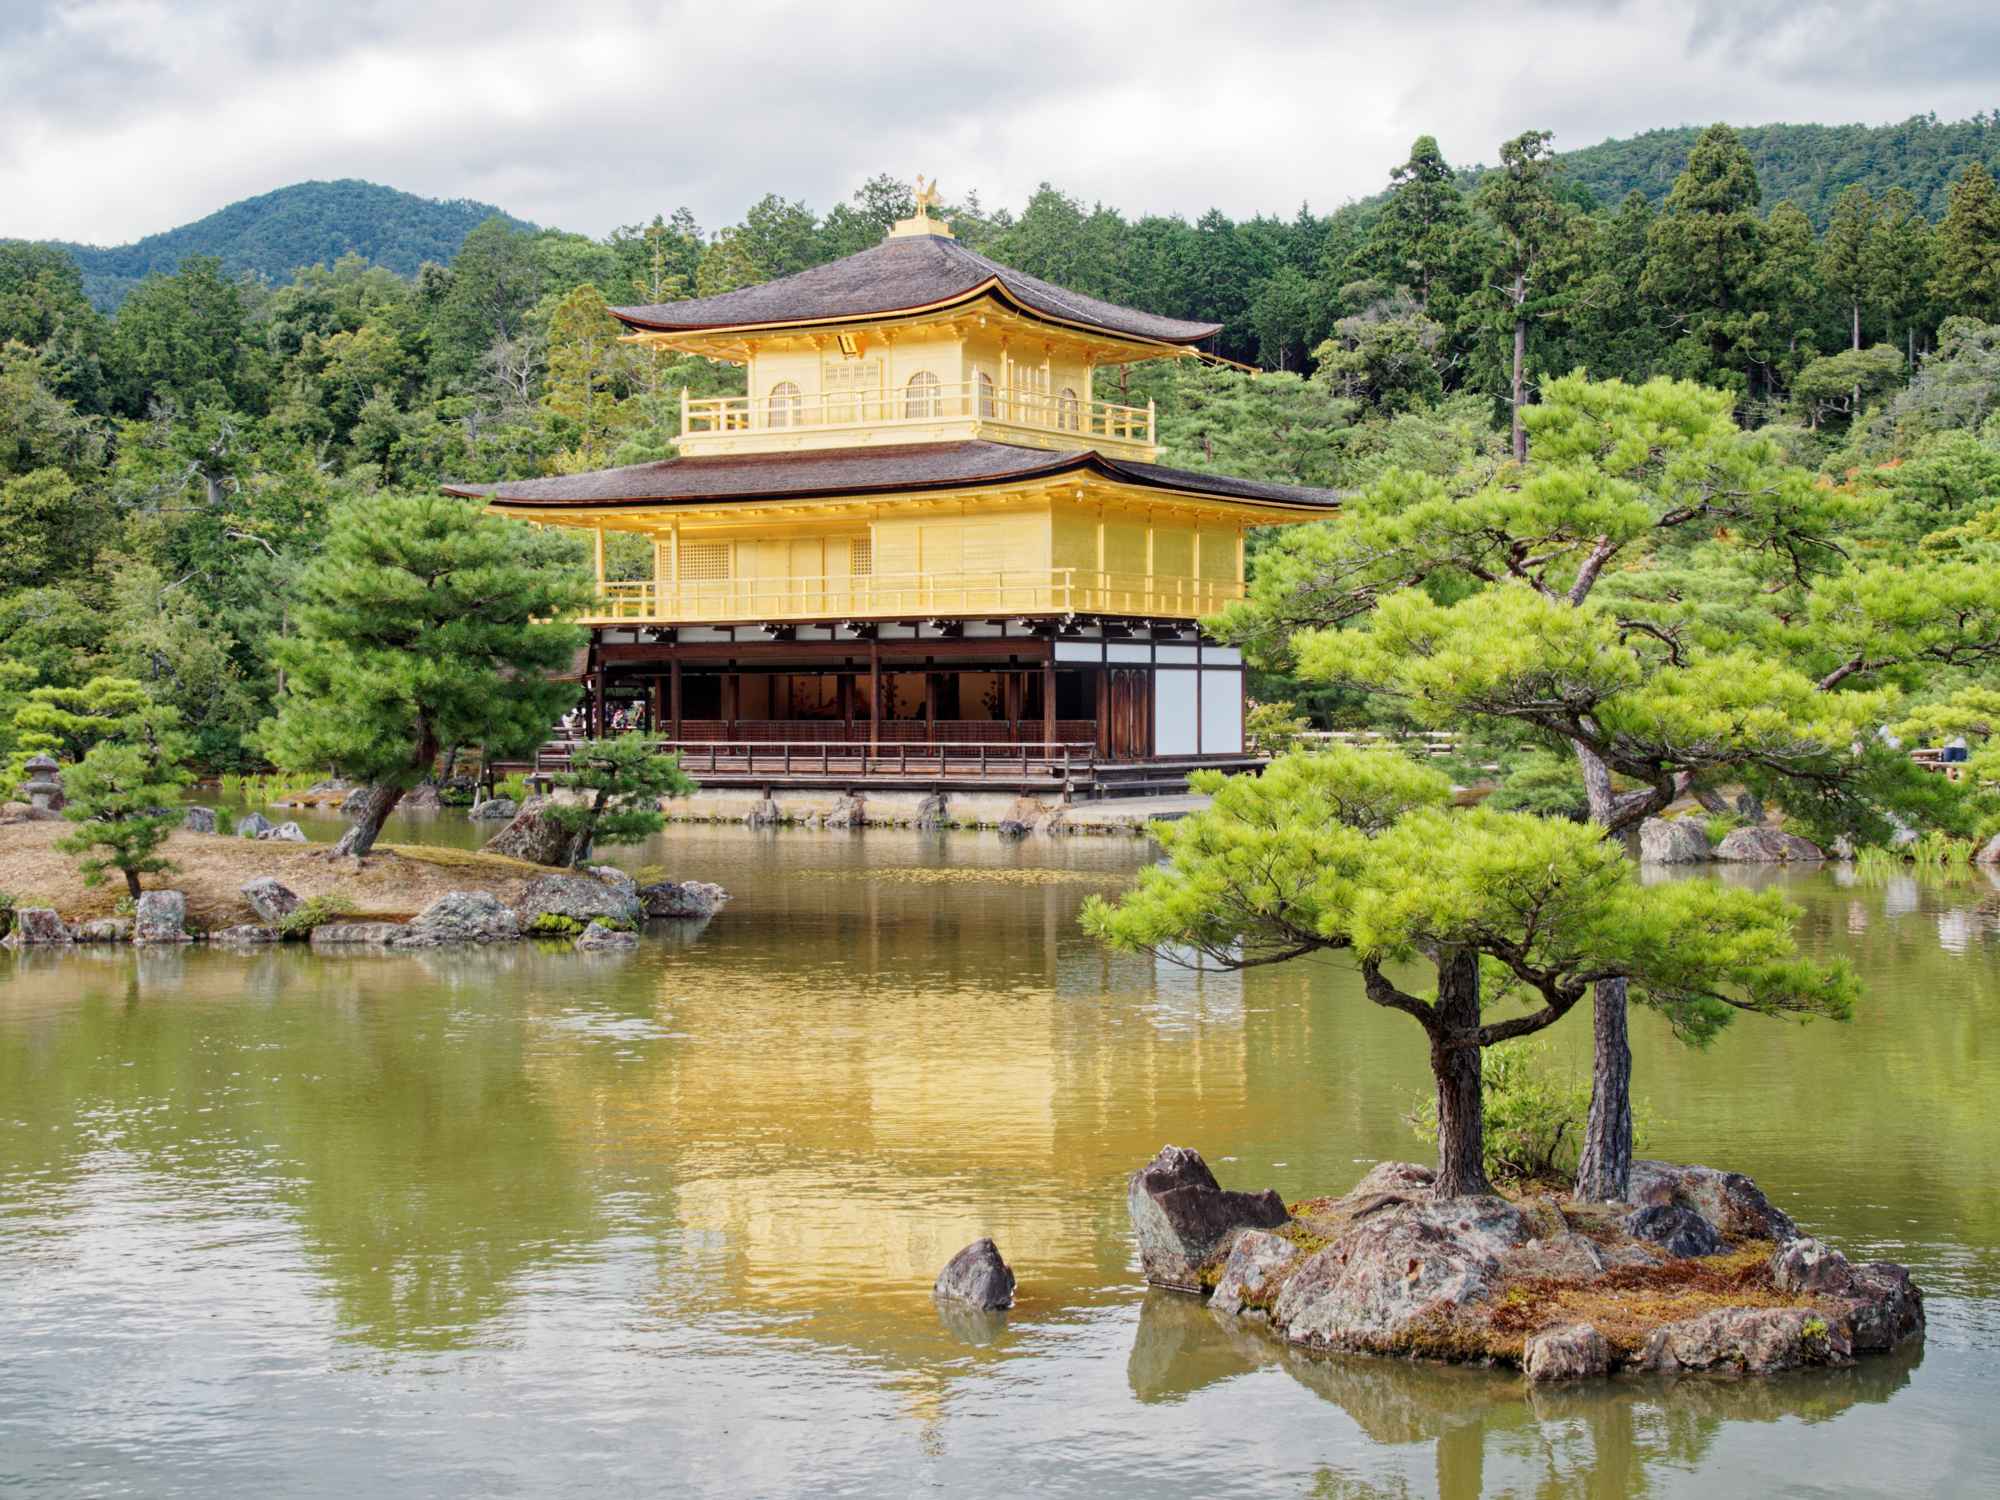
(862,471)
(897,276)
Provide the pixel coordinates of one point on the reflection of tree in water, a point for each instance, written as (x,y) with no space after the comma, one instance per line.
(1598,1438)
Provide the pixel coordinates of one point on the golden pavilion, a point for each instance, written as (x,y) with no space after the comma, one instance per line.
(920,547)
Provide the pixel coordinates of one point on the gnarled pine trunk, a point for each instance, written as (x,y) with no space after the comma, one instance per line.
(1455,1065)
(377,802)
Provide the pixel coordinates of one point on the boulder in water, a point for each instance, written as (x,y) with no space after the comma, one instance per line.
(1747,1341)
(600,936)
(1734,1204)
(1184,1219)
(535,836)
(978,1277)
(495,809)
(683,899)
(38,927)
(1575,1351)
(1673,841)
(581,898)
(461,917)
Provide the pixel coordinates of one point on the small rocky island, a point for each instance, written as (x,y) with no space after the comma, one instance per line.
(1699,1272)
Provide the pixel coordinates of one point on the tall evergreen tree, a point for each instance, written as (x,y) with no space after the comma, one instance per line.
(1901,262)
(1847,255)
(588,365)
(1967,281)
(1535,241)
(1703,254)
(1423,239)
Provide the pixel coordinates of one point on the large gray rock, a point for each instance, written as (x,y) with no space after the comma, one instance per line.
(287,833)
(1990,854)
(1183,1218)
(1395,1269)
(246,934)
(1675,1228)
(933,811)
(1883,1305)
(578,897)
(105,930)
(766,814)
(1673,841)
(849,812)
(1576,1351)
(255,826)
(684,899)
(612,875)
(1251,1271)
(197,819)
(495,809)
(462,917)
(423,797)
(1728,1200)
(356,934)
(161,918)
(38,927)
(977,1277)
(535,836)
(1766,846)
(1747,1340)
(600,937)
(271,899)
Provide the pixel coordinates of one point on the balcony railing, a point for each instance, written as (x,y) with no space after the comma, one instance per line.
(895,595)
(913,406)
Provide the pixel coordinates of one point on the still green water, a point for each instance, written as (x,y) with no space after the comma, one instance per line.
(534,1223)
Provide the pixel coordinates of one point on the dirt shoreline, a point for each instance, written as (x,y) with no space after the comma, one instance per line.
(394,883)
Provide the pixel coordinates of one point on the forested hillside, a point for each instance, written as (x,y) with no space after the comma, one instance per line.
(166,473)
(274,234)
(1808,164)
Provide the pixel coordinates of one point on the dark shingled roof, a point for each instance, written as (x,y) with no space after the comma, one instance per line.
(862,471)
(896,276)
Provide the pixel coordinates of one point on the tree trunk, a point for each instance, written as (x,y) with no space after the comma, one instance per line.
(1520,368)
(1857,325)
(377,802)
(1455,1064)
(1606,1160)
(1603,1175)
(450,764)
(132,885)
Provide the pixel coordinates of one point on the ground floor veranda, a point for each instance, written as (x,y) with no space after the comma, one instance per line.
(1093,704)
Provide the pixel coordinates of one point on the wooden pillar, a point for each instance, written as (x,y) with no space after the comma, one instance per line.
(844,691)
(930,703)
(674,699)
(874,694)
(1049,703)
(731,683)
(1103,676)
(657,717)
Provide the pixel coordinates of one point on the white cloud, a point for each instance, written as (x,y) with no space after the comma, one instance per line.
(129,116)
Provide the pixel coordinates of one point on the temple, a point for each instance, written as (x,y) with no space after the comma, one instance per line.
(921,547)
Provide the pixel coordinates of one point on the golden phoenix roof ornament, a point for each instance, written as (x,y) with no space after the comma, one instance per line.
(926,197)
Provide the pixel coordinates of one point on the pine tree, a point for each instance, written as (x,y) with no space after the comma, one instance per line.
(1787,293)
(423,624)
(623,780)
(1846,255)
(1968,248)
(124,797)
(1703,254)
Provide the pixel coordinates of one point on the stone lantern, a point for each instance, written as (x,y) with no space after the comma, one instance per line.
(44,784)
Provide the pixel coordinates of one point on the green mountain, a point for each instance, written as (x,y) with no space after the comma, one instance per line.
(1808,164)
(275,233)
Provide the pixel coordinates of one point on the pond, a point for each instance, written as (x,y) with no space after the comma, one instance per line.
(528,1222)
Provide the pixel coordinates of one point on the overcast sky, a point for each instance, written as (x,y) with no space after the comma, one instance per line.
(123,117)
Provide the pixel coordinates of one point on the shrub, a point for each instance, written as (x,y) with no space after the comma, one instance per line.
(1718,826)
(550,924)
(1275,728)
(311,913)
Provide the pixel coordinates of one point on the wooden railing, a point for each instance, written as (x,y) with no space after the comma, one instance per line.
(1063,760)
(1042,410)
(1013,591)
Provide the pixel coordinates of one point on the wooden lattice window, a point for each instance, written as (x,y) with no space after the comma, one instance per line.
(1069,411)
(787,406)
(985,383)
(861,556)
(704,562)
(920,396)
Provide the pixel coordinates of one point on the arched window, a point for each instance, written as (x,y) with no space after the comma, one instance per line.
(985,383)
(787,406)
(920,396)
(1069,412)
